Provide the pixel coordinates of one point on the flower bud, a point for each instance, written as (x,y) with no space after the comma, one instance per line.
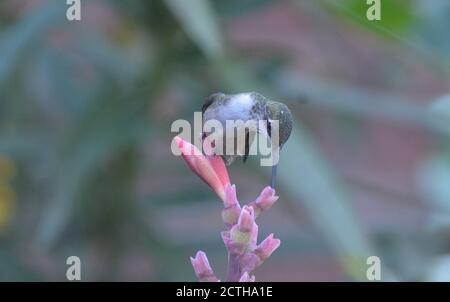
(232,209)
(267,247)
(202,269)
(243,235)
(211,169)
(246,219)
(264,201)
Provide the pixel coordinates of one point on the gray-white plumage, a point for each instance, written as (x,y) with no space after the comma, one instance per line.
(248,106)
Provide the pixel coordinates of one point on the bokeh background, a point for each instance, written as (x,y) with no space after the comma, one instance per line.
(85,115)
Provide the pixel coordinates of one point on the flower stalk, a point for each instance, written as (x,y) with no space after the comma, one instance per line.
(241,234)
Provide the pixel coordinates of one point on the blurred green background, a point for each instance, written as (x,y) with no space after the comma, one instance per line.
(85,115)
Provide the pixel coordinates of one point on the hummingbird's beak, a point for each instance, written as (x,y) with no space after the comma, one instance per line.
(274,176)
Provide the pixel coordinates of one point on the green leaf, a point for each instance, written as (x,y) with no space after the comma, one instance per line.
(396,16)
(200,23)
(24,36)
(106,131)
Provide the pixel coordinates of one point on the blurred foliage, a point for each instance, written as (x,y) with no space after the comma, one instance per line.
(397,16)
(85,163)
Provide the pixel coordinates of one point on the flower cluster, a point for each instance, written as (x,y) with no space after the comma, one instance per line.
(241,234)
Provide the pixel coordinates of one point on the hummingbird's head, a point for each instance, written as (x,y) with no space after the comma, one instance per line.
(218,96)
(280,112)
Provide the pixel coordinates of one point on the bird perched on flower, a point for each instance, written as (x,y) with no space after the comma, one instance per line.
(247,107)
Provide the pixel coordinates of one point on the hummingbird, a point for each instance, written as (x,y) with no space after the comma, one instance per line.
(248,106)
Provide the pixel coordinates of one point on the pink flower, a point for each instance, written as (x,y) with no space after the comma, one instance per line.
(264,201)
(243,235)
(250,261)
(267,247)
(246,220)
(210,168)
(231,207)
(202,269)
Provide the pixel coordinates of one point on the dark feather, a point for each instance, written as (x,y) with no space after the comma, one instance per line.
(247,146)
(269,128)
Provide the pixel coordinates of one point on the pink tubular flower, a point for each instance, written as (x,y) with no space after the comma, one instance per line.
(243,235)
(264,201)
(211,169)
(246,220)
(252,260)
(267,247)
(202,269)
(231,208)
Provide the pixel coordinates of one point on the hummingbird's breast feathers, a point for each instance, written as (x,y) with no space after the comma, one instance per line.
(232,107)
(230,110)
